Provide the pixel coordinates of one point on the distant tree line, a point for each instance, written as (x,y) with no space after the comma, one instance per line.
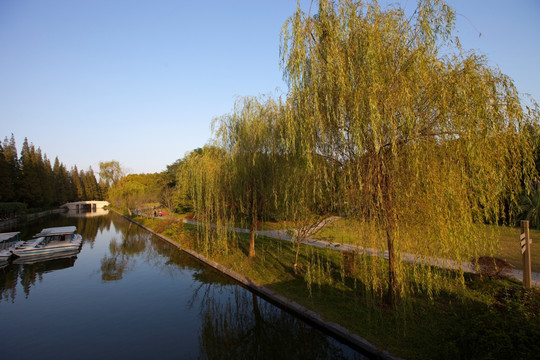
(32,179)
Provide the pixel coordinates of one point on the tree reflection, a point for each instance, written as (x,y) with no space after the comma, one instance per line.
(89,227)
(8,284)
(237,324)
(28,272)
(115,264)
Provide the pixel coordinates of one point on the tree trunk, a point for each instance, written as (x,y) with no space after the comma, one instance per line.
(252,229)
(298,243)
(392,295)
(389,221)
(256,310)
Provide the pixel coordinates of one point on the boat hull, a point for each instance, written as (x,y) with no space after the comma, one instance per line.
(8,242)
(49,249)
(46,257)
(6,253)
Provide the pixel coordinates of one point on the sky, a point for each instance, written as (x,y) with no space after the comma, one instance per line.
(139,81)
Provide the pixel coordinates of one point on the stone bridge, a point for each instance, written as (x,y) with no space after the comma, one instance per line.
(90,205)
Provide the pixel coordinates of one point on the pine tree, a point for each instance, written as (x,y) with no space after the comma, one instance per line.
(29,186)
(77,184)
(7,188)
(12,176)
(47,182)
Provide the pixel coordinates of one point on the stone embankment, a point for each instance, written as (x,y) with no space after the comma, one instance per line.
(11,223)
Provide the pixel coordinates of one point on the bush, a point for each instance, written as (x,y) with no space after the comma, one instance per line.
(11,209)
(492,266)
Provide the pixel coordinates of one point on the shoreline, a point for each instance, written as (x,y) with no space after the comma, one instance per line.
(334,329)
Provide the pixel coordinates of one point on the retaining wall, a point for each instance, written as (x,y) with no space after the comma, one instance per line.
(21,219)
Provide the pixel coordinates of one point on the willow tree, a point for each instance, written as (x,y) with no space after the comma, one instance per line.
(249,137)
(110,172)
(203,180)
(127,193)
(427,136)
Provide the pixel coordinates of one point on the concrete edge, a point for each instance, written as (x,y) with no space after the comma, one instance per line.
(21,219)
(331,327)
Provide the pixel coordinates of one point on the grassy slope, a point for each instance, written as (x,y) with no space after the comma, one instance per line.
(486,319)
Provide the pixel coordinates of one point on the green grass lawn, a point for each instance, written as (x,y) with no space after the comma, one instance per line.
(485,318)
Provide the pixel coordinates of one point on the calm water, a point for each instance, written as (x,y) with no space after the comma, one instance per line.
(128,294)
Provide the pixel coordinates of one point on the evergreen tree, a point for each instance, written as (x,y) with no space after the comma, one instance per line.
(47,181)
(90,185)
(77,184)
(60,183)
(7,188)
(12,175)
(29,186)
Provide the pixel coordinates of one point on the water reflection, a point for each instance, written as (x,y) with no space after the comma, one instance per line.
(27,272)
(3,263)
(88,225)
(87,213)
(242,323)
(133,243)
(133,294)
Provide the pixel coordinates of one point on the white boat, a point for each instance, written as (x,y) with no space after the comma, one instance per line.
(54,240)
(47,257)
(8,242)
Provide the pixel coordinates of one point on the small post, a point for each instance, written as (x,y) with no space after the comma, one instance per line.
(525,242)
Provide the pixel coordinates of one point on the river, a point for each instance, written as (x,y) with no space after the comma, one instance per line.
(130,295)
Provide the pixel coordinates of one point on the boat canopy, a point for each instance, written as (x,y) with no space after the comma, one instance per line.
(63,230)
(9,235)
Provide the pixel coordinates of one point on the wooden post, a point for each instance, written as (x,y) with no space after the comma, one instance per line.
(525,242)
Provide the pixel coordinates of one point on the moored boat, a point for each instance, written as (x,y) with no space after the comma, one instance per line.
(54,240)
(8,242)
(48,258)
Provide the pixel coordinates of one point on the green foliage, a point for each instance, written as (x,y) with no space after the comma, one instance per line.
(529,205)
(250,140)
(388,121)
(10,209)
(32,179)
(427,140)
(203,181)
(110,172)
(128,193)
(8,173)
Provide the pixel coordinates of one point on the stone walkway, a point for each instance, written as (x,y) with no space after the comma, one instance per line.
(410,258)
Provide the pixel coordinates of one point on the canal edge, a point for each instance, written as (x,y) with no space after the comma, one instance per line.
(333,328)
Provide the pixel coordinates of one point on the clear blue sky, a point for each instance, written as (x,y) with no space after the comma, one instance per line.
(140,81)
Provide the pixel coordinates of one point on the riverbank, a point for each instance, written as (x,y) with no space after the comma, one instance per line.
(335,329)
(409,258)
(483,318)
(10,223)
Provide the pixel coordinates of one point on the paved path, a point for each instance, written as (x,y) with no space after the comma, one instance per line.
(410,258)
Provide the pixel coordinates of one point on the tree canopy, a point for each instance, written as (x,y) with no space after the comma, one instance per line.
(429,140)
(33,180)
(387,120)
